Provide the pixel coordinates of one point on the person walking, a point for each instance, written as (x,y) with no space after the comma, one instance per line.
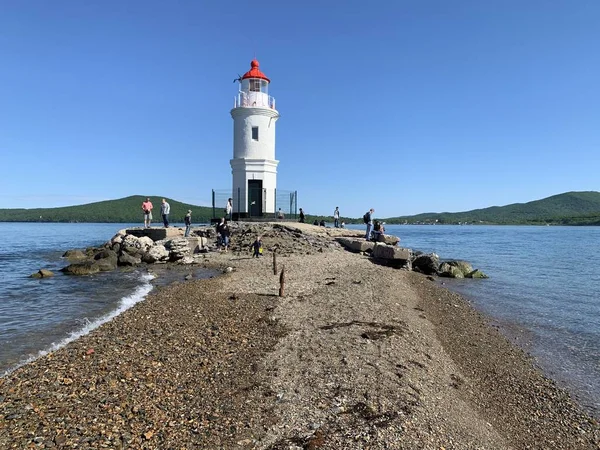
(188,223)
(147,209)
(257,247)
(301,216)
(368,219)
(165,209)
(336,217)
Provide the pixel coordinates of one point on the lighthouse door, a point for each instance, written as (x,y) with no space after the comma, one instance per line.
(255,198)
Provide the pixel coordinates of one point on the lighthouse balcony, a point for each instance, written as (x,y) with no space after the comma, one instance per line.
(254,100)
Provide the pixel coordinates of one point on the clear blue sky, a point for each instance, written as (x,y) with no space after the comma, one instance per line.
(403,106)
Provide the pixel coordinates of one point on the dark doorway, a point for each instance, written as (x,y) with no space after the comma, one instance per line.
(255,206)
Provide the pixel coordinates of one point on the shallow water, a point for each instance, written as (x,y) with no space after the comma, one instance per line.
(39,315)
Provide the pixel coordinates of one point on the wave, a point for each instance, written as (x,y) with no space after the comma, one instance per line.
(125,303)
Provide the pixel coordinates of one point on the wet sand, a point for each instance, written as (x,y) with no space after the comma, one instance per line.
(355,355)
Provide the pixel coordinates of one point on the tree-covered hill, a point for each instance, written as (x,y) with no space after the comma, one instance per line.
(124,210)
(570,208)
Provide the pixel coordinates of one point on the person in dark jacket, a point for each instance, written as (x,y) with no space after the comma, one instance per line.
(188,222)
(257,247)
(301,216)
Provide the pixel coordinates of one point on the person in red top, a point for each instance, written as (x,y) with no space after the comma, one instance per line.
(147,208)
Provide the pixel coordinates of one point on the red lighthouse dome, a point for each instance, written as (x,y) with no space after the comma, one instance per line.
(255,72)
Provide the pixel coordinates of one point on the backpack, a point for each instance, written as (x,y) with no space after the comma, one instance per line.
(366,217)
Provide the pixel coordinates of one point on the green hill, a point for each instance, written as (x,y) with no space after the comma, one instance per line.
(570,208)
(123,210)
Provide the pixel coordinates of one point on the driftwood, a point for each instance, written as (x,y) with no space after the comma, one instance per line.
(274,262)
(282,282)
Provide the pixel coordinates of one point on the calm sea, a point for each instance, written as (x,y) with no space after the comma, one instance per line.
(542,290)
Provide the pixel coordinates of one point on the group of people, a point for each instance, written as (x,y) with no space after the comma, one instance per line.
(375,228)
(165,210)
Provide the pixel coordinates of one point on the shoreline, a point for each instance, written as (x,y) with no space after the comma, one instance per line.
(354,355)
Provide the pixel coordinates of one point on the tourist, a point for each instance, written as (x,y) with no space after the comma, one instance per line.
(188,222)
(316,222)
(280,214)
(343,224)
(224,232)
(322,223)
(147,209)
(336,217)
(165,209)
(257,247)
(229,208)
(368,219)
(301,216)
(377,230)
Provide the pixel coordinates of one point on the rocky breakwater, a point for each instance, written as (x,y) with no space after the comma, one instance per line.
(128,250)
(387,252)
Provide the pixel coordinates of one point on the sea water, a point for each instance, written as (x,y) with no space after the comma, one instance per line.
(41,315)
(542,291)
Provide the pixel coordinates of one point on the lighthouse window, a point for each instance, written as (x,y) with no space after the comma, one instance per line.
(255,133)
(254,85)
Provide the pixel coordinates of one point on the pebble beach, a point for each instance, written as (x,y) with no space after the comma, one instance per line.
(354,355)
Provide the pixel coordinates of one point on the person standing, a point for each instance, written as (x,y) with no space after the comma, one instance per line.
(257,247)
(165,209)
(147,209)
(301,216)
(225,233)
(229,209)
(280,214)
(368,219)
(188,222)
(336,217)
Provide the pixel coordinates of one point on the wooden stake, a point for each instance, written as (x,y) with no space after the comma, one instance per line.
(282,281)
(274,262)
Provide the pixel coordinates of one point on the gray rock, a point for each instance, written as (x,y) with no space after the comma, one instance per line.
(88,267)
(384,251)
(448,271)
(157,252)
(178,248)
(426,263)
(356,245)
(476,274)
(125,259)
(463,266)
(74,254)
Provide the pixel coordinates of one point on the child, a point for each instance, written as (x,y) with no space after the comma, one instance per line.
(257,247)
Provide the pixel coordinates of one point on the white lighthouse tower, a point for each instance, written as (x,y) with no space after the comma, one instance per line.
(254,166)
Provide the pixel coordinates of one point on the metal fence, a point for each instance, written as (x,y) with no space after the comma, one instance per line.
(255,203)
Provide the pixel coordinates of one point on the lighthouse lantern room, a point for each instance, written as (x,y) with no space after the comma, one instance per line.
(254,167)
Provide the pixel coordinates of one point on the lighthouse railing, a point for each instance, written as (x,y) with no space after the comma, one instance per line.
(253,100)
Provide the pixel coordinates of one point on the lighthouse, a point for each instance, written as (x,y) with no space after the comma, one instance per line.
(254,167)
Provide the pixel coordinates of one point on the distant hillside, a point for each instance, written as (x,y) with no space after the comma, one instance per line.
(570,208)
(124,210)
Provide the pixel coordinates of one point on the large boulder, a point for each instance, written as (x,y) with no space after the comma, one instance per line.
(178,248)
(464,267)
(131,241)
(384,251)
(125,259)
(426,263)
(157,252)
(74,254)
(476,274)
(388,239)
(88,267)
(106,260)
(356,245)
(145,243)
(449,271)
